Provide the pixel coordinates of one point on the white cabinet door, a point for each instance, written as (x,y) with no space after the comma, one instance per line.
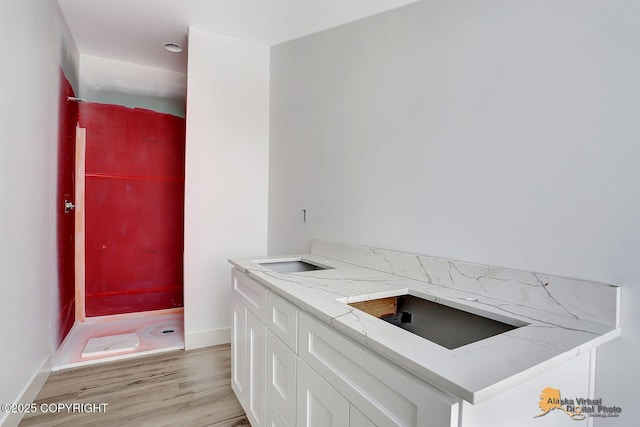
(319,404)
(239,361)
(256,334)
(248,346)
(281,377)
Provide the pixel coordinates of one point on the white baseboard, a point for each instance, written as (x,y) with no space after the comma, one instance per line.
(29,393)
(199,339)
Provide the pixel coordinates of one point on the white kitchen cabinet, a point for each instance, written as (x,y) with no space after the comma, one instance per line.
(281,377)
(248,346)
(258,359)
(239,373)
(248,367)
(317,369)
(389,395)
(256,339)
(289,369)
(319,404)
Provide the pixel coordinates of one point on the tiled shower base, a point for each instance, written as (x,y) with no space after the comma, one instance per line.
(157,333)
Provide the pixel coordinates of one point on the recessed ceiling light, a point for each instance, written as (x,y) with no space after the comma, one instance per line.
(173,47)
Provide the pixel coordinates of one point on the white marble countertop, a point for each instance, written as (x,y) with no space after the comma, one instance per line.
(474,372)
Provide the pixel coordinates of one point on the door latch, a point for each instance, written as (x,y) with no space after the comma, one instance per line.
(68,206)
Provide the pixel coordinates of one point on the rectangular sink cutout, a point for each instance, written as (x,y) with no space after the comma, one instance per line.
(291,266)
(438,323)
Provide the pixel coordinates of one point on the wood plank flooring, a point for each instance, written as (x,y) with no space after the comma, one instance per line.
(177,388)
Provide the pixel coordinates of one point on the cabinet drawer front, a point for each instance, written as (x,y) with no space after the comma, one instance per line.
(250,293)
(389,395)
(281,378)
(282,319)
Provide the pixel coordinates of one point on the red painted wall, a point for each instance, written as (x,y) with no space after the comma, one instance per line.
(65,224)
(134,206)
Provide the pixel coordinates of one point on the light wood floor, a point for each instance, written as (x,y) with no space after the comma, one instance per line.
(177,388)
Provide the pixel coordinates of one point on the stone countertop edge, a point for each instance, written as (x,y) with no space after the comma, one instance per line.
(508,359)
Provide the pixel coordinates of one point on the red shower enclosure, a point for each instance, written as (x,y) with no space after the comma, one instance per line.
(134,204)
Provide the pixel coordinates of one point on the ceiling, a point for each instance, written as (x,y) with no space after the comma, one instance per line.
(136,30)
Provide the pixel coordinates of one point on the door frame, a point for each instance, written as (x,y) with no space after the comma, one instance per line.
(81,148)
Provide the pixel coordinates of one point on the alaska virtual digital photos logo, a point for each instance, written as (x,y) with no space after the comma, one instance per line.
(578,408)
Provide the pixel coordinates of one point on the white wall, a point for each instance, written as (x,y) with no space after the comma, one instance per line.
(499,132)
(38,45)
(226,175)
(110,81)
